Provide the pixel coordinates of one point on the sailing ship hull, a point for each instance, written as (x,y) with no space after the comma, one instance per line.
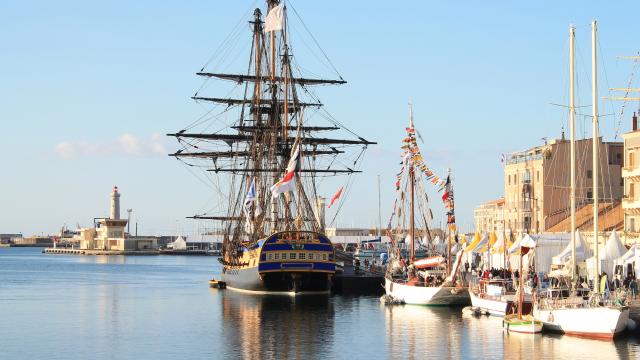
(597,323)
(497,306)
(427,295)
(288,263)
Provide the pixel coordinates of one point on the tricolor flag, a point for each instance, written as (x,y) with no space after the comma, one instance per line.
(287,183)
(336,196)
(275,19)
(447,197)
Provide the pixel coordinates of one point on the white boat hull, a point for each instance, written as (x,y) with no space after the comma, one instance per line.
(523,326)
(492,306)
(596,322)
(427,295)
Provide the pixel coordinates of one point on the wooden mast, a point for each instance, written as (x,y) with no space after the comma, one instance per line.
(520,287)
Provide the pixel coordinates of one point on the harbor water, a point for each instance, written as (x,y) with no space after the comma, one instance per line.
(160,307)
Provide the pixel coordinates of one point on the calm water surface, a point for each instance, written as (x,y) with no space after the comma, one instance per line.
(160,307)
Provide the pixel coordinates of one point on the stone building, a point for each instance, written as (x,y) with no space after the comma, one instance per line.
(108,233)
(536,182)
(631,176)
(489,216)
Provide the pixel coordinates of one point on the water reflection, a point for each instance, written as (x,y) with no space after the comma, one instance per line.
(276,327)
(416,332)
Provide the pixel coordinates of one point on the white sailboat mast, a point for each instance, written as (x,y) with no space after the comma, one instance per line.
(572,124)
(596,148)
(412,230)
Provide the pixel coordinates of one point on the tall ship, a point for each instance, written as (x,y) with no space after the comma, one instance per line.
(433,279)
(265,150)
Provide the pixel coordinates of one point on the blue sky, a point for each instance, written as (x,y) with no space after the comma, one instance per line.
(90,88)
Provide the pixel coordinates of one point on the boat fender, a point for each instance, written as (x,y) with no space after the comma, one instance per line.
(550,317)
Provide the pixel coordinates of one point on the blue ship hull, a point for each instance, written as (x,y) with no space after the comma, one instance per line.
(289,262)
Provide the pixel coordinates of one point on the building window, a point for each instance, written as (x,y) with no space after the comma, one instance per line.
(509,180)
(621,181)
(318,256)
(589,174)
(589,194)
(276,256)
(631,194)
(292,256)
(632,160)
(538,176)
(270,256)
(302,256)
(632,224)
(310,256)
(324,257)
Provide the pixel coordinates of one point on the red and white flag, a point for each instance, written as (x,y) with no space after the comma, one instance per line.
(336,196)
(287,183)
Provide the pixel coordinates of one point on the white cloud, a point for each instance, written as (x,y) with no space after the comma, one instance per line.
(123,145)
(129,144)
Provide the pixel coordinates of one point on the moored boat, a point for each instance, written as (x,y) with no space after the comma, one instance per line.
(434,279)
(563,309)
(525,324)
(518,322)
(496,297)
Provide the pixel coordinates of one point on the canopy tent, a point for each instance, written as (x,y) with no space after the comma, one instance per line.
(547,246)
(484,248)
(498,258)
(612,250)
(179,244)
(516,245)
(528,242)
(477,243)
(632,256)
(582,252)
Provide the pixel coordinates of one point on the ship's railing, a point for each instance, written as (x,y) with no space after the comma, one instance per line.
(481,287)
(563,303)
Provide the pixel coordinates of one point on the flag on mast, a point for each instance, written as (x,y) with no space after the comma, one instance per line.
(336,196)
(287,183)
(250,199)
(275,19)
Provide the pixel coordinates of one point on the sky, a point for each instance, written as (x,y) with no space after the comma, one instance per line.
(89,88)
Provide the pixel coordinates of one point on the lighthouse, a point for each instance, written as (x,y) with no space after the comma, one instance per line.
(115,204)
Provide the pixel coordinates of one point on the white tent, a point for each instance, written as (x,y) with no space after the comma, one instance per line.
(471,250)
(179,244)
(582,252)
(516,245)
(483,241)
(632,256)
(547,246)
(498,252)
(612,250)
